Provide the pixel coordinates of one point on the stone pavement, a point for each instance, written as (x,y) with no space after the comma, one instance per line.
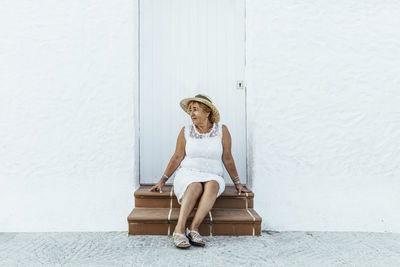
(270,249)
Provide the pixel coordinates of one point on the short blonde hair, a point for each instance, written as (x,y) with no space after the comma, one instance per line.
(203,107)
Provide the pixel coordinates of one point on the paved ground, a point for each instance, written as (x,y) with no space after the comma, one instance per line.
(270,249)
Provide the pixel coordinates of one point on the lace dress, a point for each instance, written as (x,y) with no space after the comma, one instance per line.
(203,160)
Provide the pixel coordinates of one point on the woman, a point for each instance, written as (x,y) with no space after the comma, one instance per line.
(201,148)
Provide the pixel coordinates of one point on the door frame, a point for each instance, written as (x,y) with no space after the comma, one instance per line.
(137,177)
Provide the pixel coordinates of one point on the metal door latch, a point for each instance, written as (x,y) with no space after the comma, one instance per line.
(240,85)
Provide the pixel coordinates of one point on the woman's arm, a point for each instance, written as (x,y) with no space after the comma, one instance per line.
(175,160)
(179,154)
(227,157)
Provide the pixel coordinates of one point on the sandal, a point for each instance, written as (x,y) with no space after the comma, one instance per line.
(196,239)
(180,240)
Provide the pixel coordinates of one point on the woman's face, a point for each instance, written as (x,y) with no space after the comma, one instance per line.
(197,114)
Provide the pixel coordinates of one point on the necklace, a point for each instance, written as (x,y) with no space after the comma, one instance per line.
(208,131)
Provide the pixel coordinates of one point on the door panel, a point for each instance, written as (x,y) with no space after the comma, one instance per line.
(189,47)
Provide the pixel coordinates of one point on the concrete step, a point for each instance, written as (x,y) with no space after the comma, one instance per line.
(167,199)
(220,221)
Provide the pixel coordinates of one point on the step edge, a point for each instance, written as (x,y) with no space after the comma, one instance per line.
(257,219)
(167,195)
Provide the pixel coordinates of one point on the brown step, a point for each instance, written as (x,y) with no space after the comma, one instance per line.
(228,199)
(223,221)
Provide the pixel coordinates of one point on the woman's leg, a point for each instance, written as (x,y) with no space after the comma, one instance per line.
(206,203)
(192,193)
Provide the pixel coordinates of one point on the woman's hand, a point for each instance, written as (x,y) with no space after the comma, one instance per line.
(240,188)
(157,187)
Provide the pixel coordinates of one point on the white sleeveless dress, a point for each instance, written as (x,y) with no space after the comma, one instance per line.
(203,160)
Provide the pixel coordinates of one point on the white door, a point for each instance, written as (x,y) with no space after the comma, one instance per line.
(189,47)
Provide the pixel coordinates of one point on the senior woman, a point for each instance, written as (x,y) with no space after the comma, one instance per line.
(202,146)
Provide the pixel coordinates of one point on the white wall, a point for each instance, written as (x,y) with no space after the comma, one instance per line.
(324,114)
(67,82)
(323,125)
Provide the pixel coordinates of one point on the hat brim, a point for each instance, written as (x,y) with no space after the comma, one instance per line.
(215,113)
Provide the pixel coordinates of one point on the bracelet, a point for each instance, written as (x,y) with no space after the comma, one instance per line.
(165,177)
(236,180)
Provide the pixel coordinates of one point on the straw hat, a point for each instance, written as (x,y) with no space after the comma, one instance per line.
(203,99)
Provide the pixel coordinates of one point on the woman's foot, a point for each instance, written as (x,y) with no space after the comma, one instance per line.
(195,238)
(180,240)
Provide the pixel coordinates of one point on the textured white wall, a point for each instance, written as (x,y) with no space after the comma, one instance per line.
(67,82)
(323,125)
(324,114)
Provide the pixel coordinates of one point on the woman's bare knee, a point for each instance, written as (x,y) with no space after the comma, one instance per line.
(211,186)
(192,193)
(196,188)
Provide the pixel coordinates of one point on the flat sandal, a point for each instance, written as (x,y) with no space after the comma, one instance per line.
(196,240)
(181,239)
